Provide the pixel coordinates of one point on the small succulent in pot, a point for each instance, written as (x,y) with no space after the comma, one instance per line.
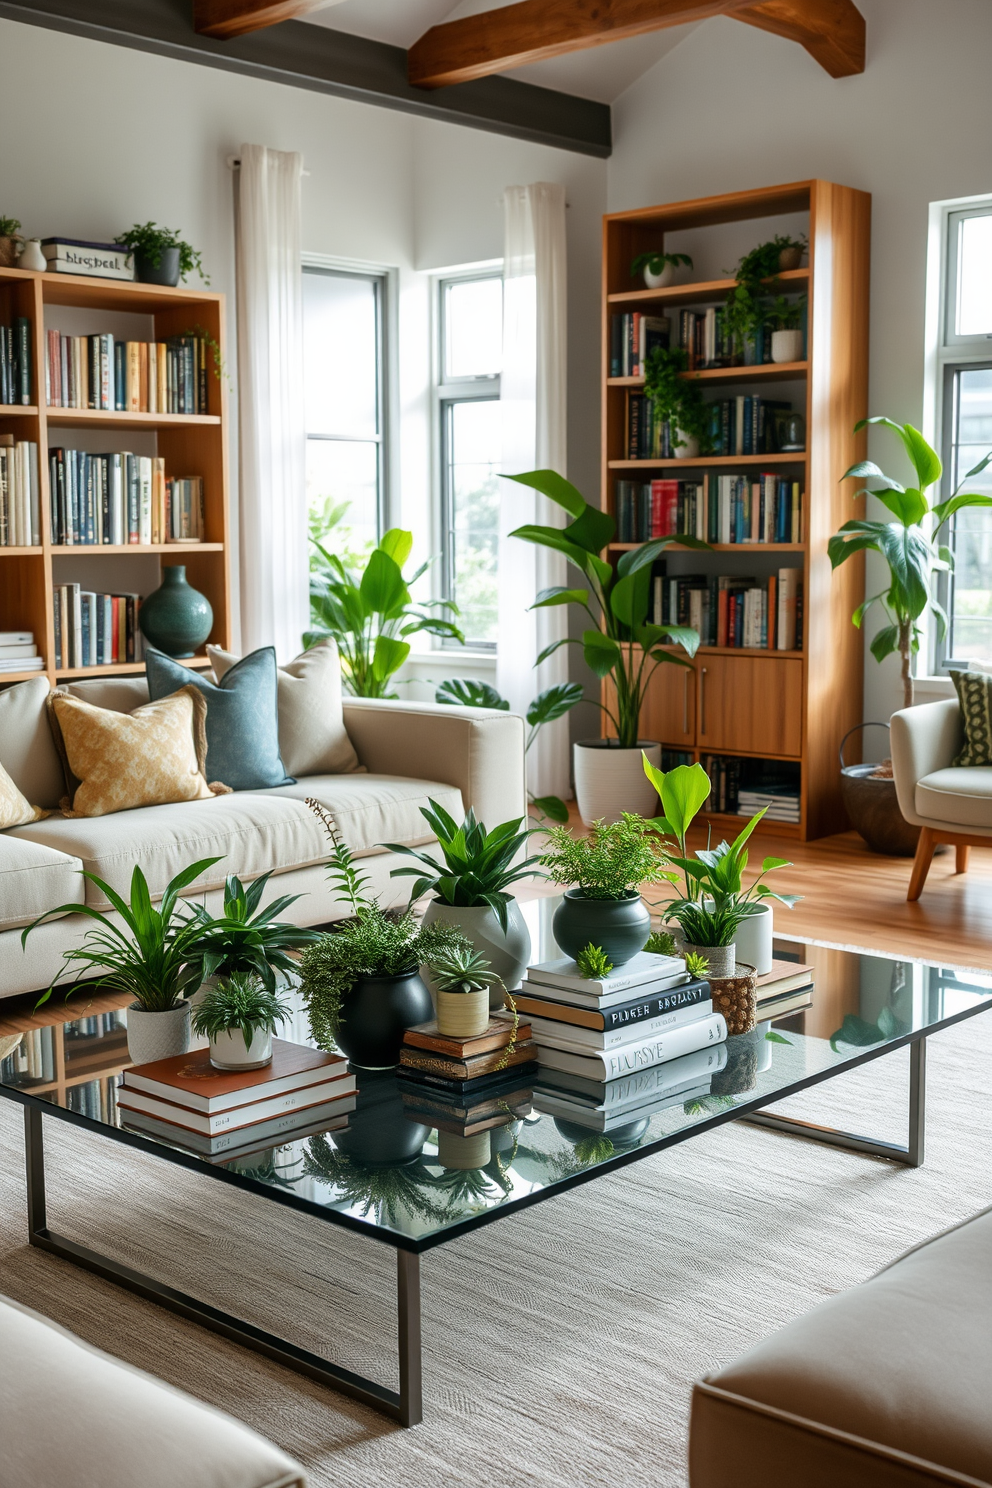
(462,980)
(606,868)
(239,1016)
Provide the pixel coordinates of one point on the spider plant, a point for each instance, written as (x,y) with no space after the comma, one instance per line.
(242,1003)
(246,939)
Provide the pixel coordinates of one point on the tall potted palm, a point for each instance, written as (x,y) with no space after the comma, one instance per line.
(619,643)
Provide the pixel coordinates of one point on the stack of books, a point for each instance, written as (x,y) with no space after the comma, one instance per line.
(467,1072)
(95,629)
(20,520)
(786,989)
(604,1105)
(15,361)
(18,652)
(220,1113)
(95,260)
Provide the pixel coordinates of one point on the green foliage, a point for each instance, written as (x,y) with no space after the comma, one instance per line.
(346,880)
(619,642)
(655,263)
(152,957)
(371,614)
(661,943)
(241,1002)
(744,309)
(861,1034)
(785,314)
(592,961)
(611,862)
(910,545)
(373,944)
(463,969)
(595,1148)
(388,1191)
(478,865)
(148,239)
(245,938)
(9,227)
(470,692)
(677,398)
(697,965)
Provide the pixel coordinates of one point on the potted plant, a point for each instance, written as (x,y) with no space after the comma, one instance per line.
(245,939)
(160,254)
(744,308)
(618,642)
(785,316)
(659,268)
(463,980)
(370,614)
(239,1016)
(9,241)
(149,958)
(912,549)
(604,870)
(470,888)
(677,401)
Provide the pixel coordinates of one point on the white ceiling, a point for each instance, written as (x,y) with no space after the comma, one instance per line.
(602,72)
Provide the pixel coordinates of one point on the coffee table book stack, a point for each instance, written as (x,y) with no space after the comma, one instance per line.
(229,1113)
(465,1080)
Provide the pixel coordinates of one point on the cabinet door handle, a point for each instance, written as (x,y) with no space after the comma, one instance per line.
(702,700)
(685,701)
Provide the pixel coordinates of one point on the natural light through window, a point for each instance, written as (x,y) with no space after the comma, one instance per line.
(974,299)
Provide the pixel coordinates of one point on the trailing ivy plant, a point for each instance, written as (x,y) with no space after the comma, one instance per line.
(744,309)
(677,399)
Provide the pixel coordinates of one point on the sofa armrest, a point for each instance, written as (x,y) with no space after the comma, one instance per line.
(922,740)
(478,750)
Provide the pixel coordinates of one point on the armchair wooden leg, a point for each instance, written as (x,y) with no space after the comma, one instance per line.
(921,863)
(961,855)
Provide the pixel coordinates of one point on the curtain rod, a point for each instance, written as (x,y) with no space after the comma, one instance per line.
(234,163)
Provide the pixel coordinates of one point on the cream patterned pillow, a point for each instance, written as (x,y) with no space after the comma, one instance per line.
(117,761)
(15,809)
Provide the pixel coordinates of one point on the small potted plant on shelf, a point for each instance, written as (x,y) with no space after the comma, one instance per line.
(10,241)
(744,309)
(470,888)
(785,317)
(659,268)
(150,957)
(463,980)
(603,907)
(677,401)
(239,1016)
(618,642)
(160,254)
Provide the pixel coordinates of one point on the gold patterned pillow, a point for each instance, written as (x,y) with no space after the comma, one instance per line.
(15,809)
(975,698)
(117,761)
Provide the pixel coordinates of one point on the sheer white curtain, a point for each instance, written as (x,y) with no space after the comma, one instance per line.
(533,397)
(274,565)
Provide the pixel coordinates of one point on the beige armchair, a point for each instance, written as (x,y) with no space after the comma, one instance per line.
(948,803)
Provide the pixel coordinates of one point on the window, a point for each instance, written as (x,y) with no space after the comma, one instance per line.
(470,325)
(343,390)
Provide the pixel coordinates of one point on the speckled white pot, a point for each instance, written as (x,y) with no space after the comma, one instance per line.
(152,1036)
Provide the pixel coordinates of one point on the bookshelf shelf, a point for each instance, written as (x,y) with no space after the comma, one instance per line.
(191,444)
(789,708)
(73,1060)
(121,668)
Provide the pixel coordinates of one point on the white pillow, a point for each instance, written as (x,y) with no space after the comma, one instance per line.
(27,749)
(312,736)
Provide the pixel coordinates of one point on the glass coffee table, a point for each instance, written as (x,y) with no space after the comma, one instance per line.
(405,1174)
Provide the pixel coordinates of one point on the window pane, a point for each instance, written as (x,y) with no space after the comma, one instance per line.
(473,454)
(341,351)
(342,494)
(971,619)
(974,316)
(473,327)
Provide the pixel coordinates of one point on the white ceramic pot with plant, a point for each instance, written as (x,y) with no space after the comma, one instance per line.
(685,446)
(755,939)
(239,1015)
(602,872)
(145,951)
(659,268)
(461,979)
(787,346)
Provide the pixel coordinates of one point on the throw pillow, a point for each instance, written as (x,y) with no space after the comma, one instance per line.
(27,749)
(15,809)
(117,761)
(312,736)
(242,717)
(973,690)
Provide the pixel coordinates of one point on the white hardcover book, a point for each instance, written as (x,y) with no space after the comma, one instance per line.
(572,998)
(607,1121)
(24,649)
(23,664)
(16,637)
(279,1132)
(610,1064)
(34,500)
(107,651)
(639,971)
(145,500)
(637,1089)
(209,1124)
(548,1032)
(118,536)
(76,605)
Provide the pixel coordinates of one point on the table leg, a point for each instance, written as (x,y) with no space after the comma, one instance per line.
(34,1158)
(411,1407)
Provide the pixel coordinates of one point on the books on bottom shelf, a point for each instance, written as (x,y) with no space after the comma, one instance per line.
(95,629)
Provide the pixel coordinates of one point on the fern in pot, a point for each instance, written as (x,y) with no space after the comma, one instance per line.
(605,870)
(239,1016)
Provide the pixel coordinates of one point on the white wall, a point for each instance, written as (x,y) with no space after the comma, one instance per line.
(734,108)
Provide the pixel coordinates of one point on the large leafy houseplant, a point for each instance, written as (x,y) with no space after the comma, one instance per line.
(619,641)
(371,614)
(245,938)
(910,544)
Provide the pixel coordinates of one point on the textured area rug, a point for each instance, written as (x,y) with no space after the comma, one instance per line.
(560,1344)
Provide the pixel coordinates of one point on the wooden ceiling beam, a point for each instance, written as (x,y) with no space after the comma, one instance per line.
(832,31)
(224,19)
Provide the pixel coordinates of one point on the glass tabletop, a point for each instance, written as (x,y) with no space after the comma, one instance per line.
(413,1169)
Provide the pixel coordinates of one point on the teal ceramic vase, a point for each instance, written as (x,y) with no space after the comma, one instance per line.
(177,618)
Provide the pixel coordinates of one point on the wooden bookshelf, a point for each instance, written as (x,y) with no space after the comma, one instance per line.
(74,1058)
(783,706)
(192,444)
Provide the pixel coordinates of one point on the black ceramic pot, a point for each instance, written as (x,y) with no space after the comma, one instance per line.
(375,1014)
(619,926)
(379,1130)
(166,271)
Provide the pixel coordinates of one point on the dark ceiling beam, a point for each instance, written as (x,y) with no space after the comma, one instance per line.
(332,62)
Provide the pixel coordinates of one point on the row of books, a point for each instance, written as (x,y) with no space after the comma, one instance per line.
(632,338)
(743,425)
(704,337)
(20,506)
(18,652)
(731,610)
(719,509)
(95,629)
(15,361)
(126,376)
(96,1099)
(741,787)
(32,1061)
(219,1113)
(99,1025)
(121,498)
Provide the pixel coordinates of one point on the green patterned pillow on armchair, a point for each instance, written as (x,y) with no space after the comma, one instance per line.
(975,697)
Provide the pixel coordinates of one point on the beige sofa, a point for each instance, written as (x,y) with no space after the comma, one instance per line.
(408,752)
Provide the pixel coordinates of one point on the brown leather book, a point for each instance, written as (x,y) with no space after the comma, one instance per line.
(497,1036)
(191,1080)
(468,1069)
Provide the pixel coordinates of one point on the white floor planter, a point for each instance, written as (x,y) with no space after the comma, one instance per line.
(229,1051)
(152,1036)
(508,953)
(754,940)
(787,346)
(610,781)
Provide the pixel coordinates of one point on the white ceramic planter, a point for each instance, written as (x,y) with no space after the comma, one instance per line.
(754,940)
(787,346)
(229,1050)
(610,781)
(508,954)
(659,281)
(462,1014)
(152,1036)
(688,449)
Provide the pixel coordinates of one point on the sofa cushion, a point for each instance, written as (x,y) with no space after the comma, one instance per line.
(33,879)
(961,794)
(115,1425)
(15,808)
(885,1384)
(974,691)
(119,694)
(27,749)
(372,809)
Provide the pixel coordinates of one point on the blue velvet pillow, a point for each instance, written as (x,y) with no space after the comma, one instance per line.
(242,717)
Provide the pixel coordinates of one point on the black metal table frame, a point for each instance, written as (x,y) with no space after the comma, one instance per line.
(406,1404)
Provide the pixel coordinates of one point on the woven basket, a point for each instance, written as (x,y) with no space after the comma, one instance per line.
(736,997)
